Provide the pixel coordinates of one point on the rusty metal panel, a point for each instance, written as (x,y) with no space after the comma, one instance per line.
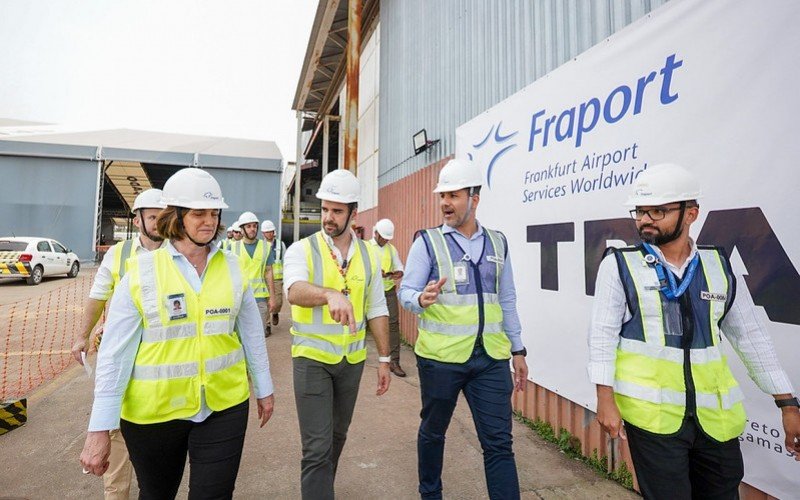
(444,62)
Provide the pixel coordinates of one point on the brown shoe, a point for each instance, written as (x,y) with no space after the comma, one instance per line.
(394,366)
(275,319)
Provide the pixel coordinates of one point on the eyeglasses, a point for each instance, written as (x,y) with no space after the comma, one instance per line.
(657,213)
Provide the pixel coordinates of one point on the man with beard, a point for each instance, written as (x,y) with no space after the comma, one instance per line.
(256,261)
(662,381)
(336,291)
(459,280)
(146,207)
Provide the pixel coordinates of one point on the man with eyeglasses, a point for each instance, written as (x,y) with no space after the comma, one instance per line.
(663,384)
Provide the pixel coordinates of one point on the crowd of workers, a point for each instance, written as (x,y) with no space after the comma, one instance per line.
(184,338)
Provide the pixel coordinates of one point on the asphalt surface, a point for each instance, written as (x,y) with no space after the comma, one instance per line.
(40,459)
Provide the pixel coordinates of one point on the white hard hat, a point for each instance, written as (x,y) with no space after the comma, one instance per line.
(340,186)
(267,226)
(385,228)
(247,218)
(236,227)
(458,174)
(662,184)
(193,188)
(150,198)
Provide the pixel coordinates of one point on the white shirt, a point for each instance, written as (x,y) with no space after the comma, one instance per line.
(295,269)
(124,328)
(397,264)
(741,326)
(103,285)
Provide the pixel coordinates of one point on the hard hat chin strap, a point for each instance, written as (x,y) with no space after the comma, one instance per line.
(143,229)
(181,212)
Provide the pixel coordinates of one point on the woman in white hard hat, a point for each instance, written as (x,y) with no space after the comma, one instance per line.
(175,379)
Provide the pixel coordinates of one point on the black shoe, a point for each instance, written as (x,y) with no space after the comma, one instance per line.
(267,331)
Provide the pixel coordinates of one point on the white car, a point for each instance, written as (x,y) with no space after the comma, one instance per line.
(46,257)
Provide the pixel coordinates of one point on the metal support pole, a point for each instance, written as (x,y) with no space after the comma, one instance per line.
(353,67)
(298,164)
(98,209)
(326,137)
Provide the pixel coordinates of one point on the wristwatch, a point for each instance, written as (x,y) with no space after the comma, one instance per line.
(780,403)
(384,359)
(523,352)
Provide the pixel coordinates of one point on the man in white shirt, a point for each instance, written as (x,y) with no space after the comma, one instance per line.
(659,314)
(146,207)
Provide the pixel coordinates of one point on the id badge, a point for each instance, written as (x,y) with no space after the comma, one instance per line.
(461,273)
(176,305)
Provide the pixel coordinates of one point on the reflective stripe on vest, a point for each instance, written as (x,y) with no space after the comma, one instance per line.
(385,255)
(253,267)
(449,327)
(277,264)
(179,357)
(315,335)
(650,386)
(122,252)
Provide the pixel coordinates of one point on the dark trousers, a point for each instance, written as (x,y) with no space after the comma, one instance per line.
(394,324)
(325,396)
(158,453)
(687,464)
(487,386)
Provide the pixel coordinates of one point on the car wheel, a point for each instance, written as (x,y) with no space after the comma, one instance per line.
(73,271)
(36,276)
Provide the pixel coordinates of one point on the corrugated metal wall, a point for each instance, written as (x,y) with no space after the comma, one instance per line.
(444,62)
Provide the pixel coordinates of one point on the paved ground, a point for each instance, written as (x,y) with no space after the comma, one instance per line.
(14,290)
(40,460)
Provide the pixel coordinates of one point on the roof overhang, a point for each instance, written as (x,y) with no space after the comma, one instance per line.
(324,65)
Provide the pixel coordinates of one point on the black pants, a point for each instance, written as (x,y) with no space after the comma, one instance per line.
(158,453)
(684,465)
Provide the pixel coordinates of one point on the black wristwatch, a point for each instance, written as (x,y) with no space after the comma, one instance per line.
(523,353)
(780,403)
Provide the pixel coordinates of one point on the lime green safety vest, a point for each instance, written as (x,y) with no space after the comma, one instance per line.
(277,264)
(315,335)
(651,383)
(181,353)
(449,327)
(385,255)
(253,267)
(123,251)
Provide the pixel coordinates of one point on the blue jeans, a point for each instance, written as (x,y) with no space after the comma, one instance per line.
(487,386)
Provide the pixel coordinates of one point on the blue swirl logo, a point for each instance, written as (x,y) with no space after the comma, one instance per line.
(494,141)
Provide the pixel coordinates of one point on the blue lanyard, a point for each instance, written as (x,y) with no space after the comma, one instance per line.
(667,280)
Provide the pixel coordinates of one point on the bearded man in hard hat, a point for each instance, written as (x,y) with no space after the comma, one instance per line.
(277,250)
(256,262)
(336,291)
(146,207)
(391,270)
(459,281)
(659,313)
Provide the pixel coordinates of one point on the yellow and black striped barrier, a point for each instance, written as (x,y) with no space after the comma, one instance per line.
(13,414)
(16,268)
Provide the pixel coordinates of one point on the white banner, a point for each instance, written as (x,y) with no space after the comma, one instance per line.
(711,85)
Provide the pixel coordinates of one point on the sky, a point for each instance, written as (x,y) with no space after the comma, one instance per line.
(225,68)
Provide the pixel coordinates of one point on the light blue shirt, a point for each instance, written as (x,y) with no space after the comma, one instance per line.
(123,333)
(418,274)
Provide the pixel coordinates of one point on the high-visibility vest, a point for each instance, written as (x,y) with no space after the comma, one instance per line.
(448,329)
(253,267)
(650,384)
(123,251)
(315,335)
(182,354)
(385,255)
(277,264)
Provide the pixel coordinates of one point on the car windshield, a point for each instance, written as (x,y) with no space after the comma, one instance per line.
(13,246)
